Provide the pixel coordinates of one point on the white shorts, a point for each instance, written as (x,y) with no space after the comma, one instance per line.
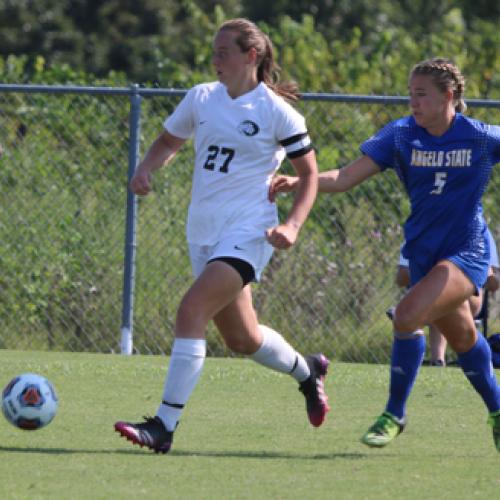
(257,252)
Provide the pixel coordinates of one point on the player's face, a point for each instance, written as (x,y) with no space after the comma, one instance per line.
(230,62)
(428,104)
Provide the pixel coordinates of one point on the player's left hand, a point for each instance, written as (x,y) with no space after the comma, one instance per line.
(282,236)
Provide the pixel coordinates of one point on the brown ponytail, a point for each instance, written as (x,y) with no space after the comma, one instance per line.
(248,36)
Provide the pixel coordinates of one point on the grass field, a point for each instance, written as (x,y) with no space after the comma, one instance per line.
(244,435)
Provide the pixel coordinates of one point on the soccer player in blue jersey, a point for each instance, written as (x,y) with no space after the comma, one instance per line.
(444,160)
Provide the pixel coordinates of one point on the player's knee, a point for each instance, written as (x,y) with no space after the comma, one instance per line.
(405,320)
(240,344)
(463,341)
(190,317)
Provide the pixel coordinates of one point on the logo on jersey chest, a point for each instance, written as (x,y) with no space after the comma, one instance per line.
(453,158)
(248,128)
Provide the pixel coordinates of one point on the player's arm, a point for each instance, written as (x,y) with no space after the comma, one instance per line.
(284,235)
(402,276)
(343,179)
(163,149)
(331,181)
(492,283)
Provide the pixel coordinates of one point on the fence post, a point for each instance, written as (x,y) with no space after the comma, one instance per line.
(130,227)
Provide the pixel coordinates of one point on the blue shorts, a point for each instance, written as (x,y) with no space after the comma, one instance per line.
(474,265)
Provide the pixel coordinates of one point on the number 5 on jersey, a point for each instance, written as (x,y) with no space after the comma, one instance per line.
(217,154)
(439,182)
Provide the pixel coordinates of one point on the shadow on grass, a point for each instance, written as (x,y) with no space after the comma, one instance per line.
(270,455)
(184,453)
(63,451)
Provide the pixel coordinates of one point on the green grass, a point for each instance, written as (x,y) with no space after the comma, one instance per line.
(243,435)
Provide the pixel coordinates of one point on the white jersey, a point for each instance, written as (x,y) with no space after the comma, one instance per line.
(239,144)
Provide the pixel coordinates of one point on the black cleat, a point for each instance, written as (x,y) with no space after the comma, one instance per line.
(151,433)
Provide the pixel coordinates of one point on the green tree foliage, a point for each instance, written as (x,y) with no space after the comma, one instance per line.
(330,45)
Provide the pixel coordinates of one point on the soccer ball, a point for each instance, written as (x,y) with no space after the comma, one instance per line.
(29,401)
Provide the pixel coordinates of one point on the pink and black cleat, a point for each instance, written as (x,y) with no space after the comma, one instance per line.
(314,390)
(151,433)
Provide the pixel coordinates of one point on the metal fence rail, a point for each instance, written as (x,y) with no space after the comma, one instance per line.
(86,266)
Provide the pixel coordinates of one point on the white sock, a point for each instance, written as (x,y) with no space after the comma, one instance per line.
(186,364)
(276,353)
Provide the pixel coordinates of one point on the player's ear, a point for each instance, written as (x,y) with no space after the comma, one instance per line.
(252,55)
(449,95)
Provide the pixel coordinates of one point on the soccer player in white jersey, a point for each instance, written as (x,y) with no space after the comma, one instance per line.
(243,128)
(444,160)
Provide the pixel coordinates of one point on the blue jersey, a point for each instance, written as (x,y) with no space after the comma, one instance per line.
(445,178)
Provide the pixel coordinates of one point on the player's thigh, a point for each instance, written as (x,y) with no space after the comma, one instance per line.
(216,287)
(440,291)
(476,302)
(458,328)
(238,324)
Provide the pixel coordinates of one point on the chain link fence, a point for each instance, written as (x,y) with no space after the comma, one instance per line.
(65,208)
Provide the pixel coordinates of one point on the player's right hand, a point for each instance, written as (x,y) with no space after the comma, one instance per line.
(282,184)
(141,183)
(282,236)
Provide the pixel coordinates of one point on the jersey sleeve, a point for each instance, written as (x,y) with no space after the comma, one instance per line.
(380,147)
(181,122)
(494,142)
(291,132)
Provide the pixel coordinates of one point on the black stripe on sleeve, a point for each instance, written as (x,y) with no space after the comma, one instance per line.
(294,138)
(300,152)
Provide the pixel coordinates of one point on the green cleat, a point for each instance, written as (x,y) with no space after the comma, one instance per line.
(494,421)
(386,428)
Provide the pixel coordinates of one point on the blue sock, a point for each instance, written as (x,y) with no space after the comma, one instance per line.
(407,356)
(477,367)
